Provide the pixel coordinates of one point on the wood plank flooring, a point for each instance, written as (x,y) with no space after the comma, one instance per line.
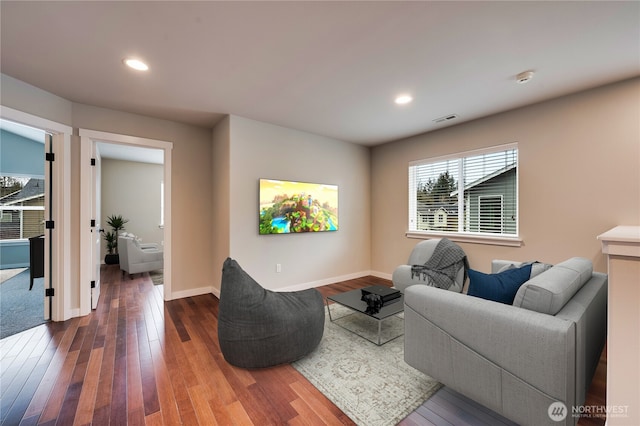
(137,360)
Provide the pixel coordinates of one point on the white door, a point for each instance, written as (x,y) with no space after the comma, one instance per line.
(95,230)
(48,203)
(89,226)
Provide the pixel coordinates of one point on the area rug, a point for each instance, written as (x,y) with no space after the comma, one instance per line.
(370,384)
(157,277)
(21,309)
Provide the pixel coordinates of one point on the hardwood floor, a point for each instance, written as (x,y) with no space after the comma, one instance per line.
(137,360)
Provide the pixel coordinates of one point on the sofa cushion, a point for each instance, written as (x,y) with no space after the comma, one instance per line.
(536,267)
(500,287)
(550,291)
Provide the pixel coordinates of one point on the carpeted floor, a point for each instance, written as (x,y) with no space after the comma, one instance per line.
(371,384)
(20,309)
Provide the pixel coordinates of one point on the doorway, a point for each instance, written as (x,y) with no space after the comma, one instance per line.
(23,304)
(104,144)
(42,211)
(131,203)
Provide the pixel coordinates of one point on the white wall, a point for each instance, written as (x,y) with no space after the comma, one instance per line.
(132,189)
(261,150)
(579,169)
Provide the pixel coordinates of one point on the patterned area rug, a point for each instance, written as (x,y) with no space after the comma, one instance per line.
(371,384)
(157,277)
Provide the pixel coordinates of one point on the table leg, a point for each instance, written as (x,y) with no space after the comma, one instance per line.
(328,309)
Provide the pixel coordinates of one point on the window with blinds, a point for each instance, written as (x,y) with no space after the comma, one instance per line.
(21,207)
(469,193)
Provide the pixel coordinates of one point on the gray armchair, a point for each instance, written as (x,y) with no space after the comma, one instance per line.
(403,276)
(136,257)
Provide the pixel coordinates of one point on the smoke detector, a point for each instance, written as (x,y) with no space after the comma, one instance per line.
(524,77)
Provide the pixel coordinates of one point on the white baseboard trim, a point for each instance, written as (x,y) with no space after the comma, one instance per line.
(326,281)
(71,313)
(296,287)
(381,275)
(192,292)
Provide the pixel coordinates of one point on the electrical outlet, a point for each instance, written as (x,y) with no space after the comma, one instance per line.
(278,267)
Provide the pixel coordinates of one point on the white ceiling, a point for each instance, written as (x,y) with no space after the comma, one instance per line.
(130,153)
(330,68)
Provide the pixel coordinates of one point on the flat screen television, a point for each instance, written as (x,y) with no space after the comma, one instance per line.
(294,207)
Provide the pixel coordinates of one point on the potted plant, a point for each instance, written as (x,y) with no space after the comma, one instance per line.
(116,222)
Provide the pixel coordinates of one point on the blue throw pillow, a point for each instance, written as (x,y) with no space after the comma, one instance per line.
(501,287)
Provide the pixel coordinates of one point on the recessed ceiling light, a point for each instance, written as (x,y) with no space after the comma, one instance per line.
(403,99)
(136,64)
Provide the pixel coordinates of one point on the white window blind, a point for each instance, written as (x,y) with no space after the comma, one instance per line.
(468,193)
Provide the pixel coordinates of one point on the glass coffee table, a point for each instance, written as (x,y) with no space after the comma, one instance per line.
(357,307)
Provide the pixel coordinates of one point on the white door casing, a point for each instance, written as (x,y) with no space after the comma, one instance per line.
(88,140)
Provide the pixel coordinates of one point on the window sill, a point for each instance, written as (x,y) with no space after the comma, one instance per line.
(468,238)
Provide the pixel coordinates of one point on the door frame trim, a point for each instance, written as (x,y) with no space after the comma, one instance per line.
(87,139)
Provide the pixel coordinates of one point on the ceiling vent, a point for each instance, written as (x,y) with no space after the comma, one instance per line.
(445,118)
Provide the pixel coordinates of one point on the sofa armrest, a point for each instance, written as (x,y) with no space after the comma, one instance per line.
(136,255)
(402,278)
(145,256)
(498,351)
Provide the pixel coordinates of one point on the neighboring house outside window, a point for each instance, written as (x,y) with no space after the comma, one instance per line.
(490,213)
(23,212)
(472,193)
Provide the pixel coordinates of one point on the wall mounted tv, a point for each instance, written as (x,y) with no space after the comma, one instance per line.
(294,207)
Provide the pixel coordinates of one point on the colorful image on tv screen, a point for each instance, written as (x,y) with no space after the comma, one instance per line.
(293,207)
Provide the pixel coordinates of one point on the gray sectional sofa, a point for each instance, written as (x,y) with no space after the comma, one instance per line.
(514,359)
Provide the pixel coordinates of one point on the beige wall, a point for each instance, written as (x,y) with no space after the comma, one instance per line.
(191,195)
(261,150)
(26,98)
(132,189)
(191,178)
(579,176)
(221,184)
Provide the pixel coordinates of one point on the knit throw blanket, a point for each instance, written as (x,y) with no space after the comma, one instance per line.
(441,268)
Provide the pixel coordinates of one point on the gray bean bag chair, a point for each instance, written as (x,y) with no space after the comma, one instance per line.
(260,328)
